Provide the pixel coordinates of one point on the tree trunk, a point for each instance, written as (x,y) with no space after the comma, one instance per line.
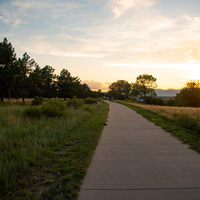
(49,95)
(49,91)
(23,99)
(2,97)
(144,100)
(9,94)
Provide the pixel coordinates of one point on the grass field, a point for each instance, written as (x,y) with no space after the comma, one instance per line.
(14,102)
(183,123)
(46,158)
(188,117)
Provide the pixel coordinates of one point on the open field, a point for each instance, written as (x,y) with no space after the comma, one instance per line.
(188,117)
(20,102)
(46,157)
(183,123)
(170,111)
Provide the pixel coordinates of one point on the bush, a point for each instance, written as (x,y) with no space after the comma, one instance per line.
(171,102)
(53,108)
(89,109)
(155,101)
(75,103)
(90,100)
(32,112)
(187,122)
(37,101)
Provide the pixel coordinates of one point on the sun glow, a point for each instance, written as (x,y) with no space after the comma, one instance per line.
(104,41)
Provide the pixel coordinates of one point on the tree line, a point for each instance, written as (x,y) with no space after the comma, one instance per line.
(24,78)
(143,90)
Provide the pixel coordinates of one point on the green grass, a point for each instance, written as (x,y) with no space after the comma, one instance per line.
(46,158)
(178,129)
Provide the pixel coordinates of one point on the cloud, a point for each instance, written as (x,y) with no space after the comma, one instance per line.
(71,37)
(16,12)
(6,35)
(177,66)
(82,55)
(157,39)
(17,22)
(95,85)
(139,35)
(45,4)
(42,44)
(173,74)
(119,7)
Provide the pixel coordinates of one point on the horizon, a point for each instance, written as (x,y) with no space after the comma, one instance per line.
(105,41)
(160,92)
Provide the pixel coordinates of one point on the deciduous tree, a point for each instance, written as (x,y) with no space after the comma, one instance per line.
(144,87)
(189,95)
(120,89)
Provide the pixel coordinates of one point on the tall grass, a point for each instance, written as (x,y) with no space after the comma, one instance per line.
(188,117)
(28,101)
(24,140)
(183,123)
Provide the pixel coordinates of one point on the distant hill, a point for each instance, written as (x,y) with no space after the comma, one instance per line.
(168,92)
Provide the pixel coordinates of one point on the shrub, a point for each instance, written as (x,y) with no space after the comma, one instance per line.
(187,122)
(155,101)
(53,108)
(75,103)
(32,112)
(171,102)
(37,101)
(90,100)
(89,109)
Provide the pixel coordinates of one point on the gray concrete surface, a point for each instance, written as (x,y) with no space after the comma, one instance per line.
(135,159)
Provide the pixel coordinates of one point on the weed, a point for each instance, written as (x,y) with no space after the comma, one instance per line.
(90,100)
(37,101)
(47,156)
(53,108)
(75,103)
(88,108)
(33,112)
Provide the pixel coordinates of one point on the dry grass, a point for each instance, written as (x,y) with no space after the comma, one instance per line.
(6,100)
(170,112)
(181,122)
(27,100)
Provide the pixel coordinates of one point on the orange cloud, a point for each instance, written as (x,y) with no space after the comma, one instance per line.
(95,85)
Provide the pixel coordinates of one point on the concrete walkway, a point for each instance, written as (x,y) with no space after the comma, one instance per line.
(136,159)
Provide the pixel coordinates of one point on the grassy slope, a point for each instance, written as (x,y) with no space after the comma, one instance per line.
(187,136)
(58,170)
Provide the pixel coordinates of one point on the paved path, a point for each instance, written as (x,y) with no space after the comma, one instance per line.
(136,159)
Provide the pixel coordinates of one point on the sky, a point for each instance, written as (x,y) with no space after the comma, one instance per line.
(102,41)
